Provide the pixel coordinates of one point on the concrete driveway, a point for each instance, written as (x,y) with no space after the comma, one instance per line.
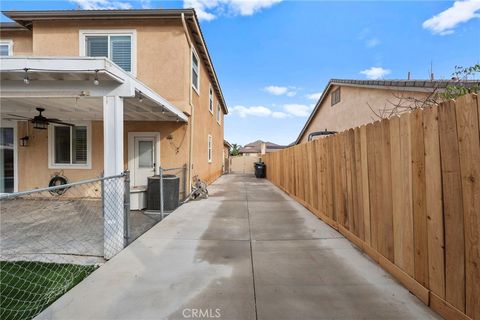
(248,252)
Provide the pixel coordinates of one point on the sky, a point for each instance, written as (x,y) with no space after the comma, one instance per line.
(274,57)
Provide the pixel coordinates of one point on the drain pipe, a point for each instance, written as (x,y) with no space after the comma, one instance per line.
(192,110)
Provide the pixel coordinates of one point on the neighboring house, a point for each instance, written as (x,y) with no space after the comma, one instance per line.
(347,104)
(139,86)
(259,147)
(226,156)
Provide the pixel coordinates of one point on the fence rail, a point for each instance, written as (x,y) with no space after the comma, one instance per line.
(405,190)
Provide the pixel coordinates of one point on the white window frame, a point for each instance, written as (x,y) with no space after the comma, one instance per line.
(111,32)
(210,99)
(51,149)
(9,43)
(219,114)
(210,149)
(194,53)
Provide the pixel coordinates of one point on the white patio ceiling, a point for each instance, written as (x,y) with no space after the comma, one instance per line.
(65,87)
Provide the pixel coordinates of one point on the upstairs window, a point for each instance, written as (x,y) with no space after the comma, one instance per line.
(210,100)
(335,96)
(195,72)
(117,47)
(210,148)
(219,113)
(6,48)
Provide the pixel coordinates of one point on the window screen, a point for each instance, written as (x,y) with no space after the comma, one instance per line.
(4,50)
(62,145)
(70,145)
(97,46)
(116,48)
(145,154)
(121,51)
(195,72)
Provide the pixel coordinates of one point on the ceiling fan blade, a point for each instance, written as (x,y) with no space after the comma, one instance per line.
(18,116)
(60,122)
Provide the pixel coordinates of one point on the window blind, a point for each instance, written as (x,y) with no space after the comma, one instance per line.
(121,51)
(97,46)
(4,50)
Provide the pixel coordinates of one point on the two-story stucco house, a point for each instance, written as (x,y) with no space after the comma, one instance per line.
(347,104)
(127,89)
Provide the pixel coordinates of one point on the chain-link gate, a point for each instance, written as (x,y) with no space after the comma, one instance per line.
(52,238)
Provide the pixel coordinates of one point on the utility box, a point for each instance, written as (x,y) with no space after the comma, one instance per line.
(171,193)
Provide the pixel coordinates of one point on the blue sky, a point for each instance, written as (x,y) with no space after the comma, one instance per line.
(274,57)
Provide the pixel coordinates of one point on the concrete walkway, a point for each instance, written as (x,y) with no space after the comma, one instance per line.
(248,252)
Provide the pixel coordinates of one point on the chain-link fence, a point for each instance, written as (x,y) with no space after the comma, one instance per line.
(52,238)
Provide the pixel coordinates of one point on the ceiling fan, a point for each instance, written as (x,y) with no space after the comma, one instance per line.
(39,121)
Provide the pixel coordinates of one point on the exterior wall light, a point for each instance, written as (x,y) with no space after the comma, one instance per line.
(24,141)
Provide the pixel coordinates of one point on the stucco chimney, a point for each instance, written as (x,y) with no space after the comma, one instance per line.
(263,148)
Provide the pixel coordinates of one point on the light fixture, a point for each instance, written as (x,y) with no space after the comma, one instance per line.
(26,80)
(24,141)
(163,110)
(42,125)
(140,97)
(178,119)
(95,81)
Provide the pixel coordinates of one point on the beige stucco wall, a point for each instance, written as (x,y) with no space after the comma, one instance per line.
(205,123)
(33,169)
(164,64)
(162,50)
(22,41)
(353,109)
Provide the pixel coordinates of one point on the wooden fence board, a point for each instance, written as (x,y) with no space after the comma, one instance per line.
(406,208)
(434,205)
(419,199)
(469,151)
(400,250)
(372,183)
(365,183)
(385,227)
(358,189)
(453,207)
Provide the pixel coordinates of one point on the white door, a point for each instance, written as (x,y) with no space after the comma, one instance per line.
(143,156)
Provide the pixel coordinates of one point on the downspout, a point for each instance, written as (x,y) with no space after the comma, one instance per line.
(192,110)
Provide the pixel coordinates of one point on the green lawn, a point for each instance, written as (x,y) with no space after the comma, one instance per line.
(26,288)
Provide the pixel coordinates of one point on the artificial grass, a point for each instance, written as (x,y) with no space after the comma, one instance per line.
(28,287)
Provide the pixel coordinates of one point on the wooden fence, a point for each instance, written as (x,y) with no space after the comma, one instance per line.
(407,192)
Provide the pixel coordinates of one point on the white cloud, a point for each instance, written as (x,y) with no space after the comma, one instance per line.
(373,42)
(279,90)
(210,9)
(375,73)
(276,90)
(102,4)
(298,110)
(279,115)
(445,22)
(289,110)
(256,111)
(314,96)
